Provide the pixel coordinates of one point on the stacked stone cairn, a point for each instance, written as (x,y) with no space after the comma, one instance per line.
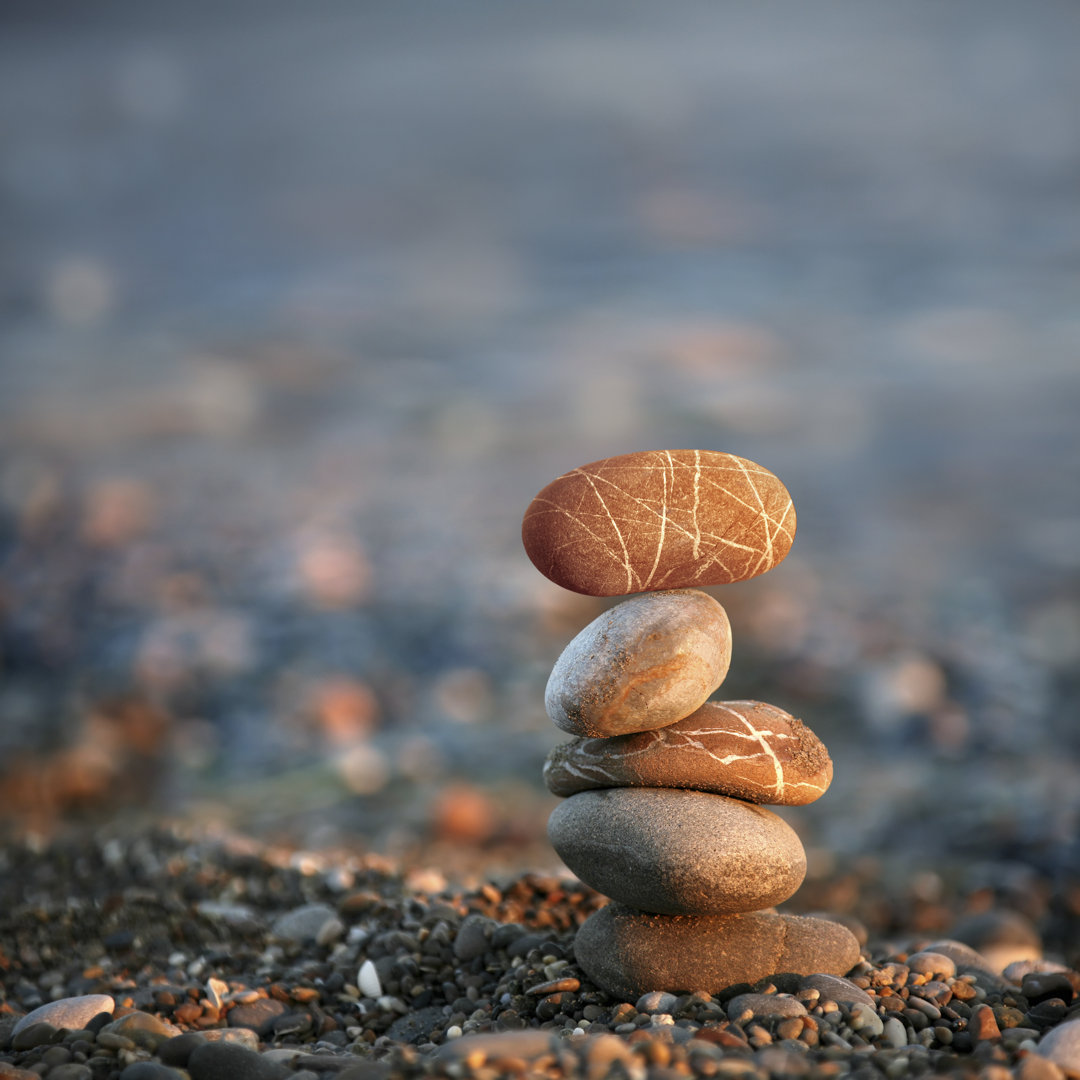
(663,788)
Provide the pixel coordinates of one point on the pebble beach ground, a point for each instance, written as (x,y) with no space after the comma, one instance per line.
(229,958)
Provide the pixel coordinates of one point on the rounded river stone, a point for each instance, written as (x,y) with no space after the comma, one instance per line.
(629,953)
(645,663)
(659,519)
(71,1012)
(675,852)
(745,749)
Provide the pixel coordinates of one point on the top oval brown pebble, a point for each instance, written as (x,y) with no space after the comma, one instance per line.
(659,519)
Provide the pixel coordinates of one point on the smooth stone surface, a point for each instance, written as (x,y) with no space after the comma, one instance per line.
(643,664)
(764,1006)
(659,519)
(40,1034)
(150,1070)
(745,749)
(242,1037)
(226,1061)
(137,1024)
(629,953)
(926,962)
(527,1043)
(656,1001)
(834,988)
(257,1015)
(73,1070)
(307,923)
(177,1050)
(72,1013)
(678,852)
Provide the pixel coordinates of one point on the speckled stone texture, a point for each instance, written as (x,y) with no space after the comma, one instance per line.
(643,664)
(659,519)
(745,749)
(630,952)
(674,851)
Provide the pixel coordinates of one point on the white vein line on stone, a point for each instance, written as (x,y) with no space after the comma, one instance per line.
(713,537)
(663,520)
(615,525)
(581,524)
(759,509)
(767,549)
(697,503)
(778,768)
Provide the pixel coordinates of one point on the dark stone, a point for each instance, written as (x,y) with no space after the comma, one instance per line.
(71,1071)
(1051,984)
(366,1070)
(178,1050)
(416,1026)
(473,937)
(35,1035)
(526,943)
(226,1061)
(150,1070)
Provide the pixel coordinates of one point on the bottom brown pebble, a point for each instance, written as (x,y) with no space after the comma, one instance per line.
(628,952)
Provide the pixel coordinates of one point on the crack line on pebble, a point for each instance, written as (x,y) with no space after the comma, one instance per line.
(779,769)
(615,525)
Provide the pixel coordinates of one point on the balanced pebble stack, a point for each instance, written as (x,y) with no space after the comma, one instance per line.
(663,787)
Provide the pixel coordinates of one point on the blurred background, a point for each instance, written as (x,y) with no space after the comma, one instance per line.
(302,304)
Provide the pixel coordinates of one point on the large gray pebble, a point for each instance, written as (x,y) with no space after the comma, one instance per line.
(674,852)
(312,922)
(73,1013)
(765,1006)
(473,937)
(656,1001)
(176,1051)
(225,1061)
(1061,1045)
(834,988)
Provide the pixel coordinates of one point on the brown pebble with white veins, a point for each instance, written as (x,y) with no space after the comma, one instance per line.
(659,519)
(746,749)
(644,663)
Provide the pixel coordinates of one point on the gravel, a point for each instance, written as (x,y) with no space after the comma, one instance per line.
(513,1000)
